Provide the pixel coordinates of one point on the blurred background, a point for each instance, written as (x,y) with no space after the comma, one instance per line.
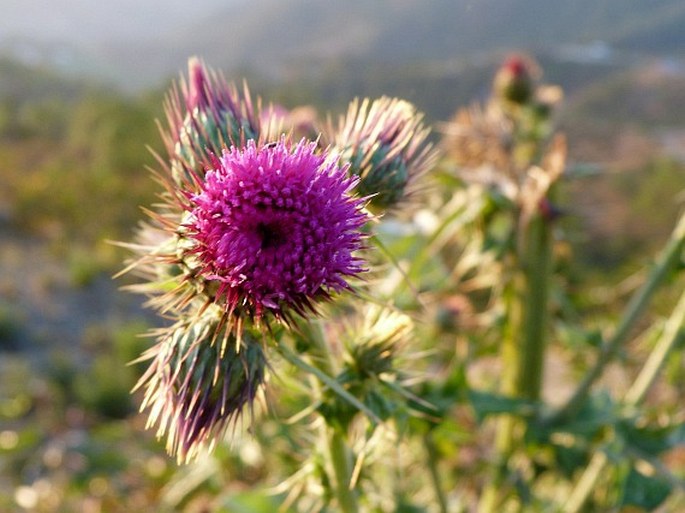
(82,82)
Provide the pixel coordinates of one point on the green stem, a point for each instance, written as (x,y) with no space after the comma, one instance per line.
(666,261)
(335,439)
(634,396)
(342,470)
(657,357)
(537,269)
(432,461)
(586,483)
(523,348)
(504,437)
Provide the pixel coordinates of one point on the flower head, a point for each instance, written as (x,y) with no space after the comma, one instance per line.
(384,142)
(199,382)
(205,116)
(275,228)
(514,81)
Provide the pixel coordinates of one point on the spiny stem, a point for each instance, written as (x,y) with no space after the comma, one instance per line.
(537,269)
(634,396)
(335,439)
(666,261)
(432,460)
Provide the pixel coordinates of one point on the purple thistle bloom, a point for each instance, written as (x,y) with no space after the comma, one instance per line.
(276,228)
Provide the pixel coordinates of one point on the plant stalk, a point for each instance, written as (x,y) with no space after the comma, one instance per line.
(335,439)
(666,261)
(432,455)
(504,437)
(657,358)
(342,470)
(634,396)
(537,269)
(523,350)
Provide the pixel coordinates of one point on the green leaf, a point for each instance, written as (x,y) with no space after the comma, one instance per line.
(597,413)
(383,407)
(569,459)
(578,338)
(250,502)
(647,492)
(406,507)
(486,403)
(651,440)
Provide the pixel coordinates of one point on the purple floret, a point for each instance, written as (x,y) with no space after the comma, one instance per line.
(276,227)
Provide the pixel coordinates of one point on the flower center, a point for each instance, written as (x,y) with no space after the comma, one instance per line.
(271,235)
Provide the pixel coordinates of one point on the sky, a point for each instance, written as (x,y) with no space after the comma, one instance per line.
(102,39)
(99,20)
(138,44)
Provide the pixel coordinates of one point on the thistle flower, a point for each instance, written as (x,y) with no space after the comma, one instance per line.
(514,81)
(503,144)
(248,230)
(274,227)
(205,116)
(199,382)
(384,142)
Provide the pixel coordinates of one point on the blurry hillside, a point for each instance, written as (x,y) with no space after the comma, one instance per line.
(113,41)
(76,107)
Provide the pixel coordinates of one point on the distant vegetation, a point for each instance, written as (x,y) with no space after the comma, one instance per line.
(74,154)
(73,174)
(73,157)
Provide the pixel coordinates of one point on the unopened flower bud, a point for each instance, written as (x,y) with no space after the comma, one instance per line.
(514,82)
(384,142)
(204,117)
(199,382)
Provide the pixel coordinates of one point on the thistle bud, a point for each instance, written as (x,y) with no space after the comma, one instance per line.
(514,81)
(377,341)
(375,353)
(200,381)
(204,117)
(384,142)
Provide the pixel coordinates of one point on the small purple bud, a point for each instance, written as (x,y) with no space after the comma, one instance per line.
(514,80)
(205,116)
